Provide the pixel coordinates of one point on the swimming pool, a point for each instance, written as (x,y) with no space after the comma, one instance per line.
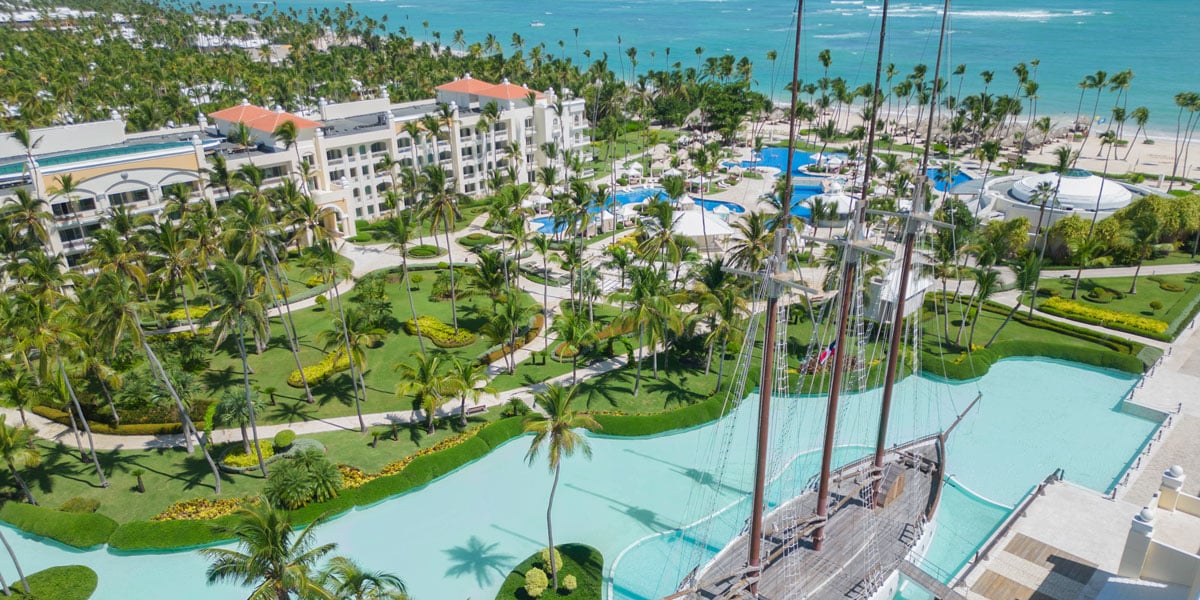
(940,185)
(459,536)
(635,196)
(776,158)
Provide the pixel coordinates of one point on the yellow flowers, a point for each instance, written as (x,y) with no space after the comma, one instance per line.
(353,477)
(241,460)
(1104,316)
(396,466)
(443,335)
(180,314)
(200,509)
(321,371)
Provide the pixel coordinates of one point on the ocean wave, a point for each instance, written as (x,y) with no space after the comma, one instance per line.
(1022,15)
(845,1)
(841,36)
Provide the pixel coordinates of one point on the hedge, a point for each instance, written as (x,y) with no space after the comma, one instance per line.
(332,364)
(166,535)
(79,530)
(655,423)
(524,336)
(63,418)
(564,353)
(70,582)
(476,240)
(442,334)
(424,251)
(977,363)
(1121,321)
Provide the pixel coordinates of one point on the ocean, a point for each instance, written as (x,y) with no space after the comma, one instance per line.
(1069,38)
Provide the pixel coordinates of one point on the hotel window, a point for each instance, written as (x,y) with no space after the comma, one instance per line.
(358,212)
(130,197)
(70,235)
(356,193)
(470,187)
(403,143)
(371,209)
(276,171)
(354,171)
(62,209)
(336,175)
(333,154)
(74,260)
(468,171)
(362,150)
(349,150)
(464,133)
(468,151)
(86,204)
(378,147)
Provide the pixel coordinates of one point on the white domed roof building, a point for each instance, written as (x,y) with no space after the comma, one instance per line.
(1077,194)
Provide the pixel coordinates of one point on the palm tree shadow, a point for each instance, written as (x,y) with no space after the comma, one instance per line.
(339,388)
(614,383)
(222,379)
(57,461)
(291,412)
(478,559)
(673,392)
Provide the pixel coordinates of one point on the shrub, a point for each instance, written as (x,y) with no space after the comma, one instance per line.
(80,505)
(569,583)
(1131,323)
(306,476)
(314,281)
(524,336)
(515,408)
(180,314)
(61,417)
(476,240)
(202,509)
(69,582)
(1155,305)
(536,582)
(1099,296)
(1168,286)
(442,334)
(545,556)
(1045,293)
(284,439)
(359,238)
(332,364)
(425,251)
(320,301)
(80,530)
(241,460)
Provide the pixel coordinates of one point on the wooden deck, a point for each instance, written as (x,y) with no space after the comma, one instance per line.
(1064,572)
(852,563)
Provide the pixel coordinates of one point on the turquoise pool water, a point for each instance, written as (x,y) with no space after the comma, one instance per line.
(632,196)
(940,184)
(458,537)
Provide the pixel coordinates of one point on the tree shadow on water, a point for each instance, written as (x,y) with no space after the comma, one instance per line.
(478,559)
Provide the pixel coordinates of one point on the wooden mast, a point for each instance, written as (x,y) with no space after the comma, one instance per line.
(910,235)
(773,292)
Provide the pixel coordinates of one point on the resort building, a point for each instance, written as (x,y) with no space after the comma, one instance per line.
(1079,192)
(86,171)
(1163,545)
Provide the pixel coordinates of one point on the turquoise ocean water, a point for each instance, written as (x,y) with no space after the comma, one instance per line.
(1071,38)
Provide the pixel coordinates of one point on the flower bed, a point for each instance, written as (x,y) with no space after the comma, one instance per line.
(442,334)
(1122,321)
(199,509)
(242,460)
(528,334)
(329,366)
(181,315)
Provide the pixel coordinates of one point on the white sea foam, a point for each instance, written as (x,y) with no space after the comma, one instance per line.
(841,36)
(845,1)
(1024,15)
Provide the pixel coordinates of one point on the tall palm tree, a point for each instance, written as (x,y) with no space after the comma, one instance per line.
(442,207)
(987,283)
(17,450)
(325,262)
(398,232)
(425,380)
(1140,235)
(1064,158)
(1027,270)
(345,578)
(725,306)
(271,555)
(350,336)
(575,332)
(468,380)
(554,432)
(239,309)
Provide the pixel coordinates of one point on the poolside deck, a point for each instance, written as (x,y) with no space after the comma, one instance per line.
(862,546)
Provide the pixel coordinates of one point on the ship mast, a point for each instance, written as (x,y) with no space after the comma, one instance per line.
(773,291)
(912,224)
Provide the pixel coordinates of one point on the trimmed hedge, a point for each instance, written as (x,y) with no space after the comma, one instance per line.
(79,530)
(962,366)
(317,374)
(63,418)
(166,535)
(424,251)
(70,582)
(476,240)
(656,423)
(442,334)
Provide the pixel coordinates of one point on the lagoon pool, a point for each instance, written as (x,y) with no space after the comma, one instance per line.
(940,185)
(459,536)
(636,196)
(776,158)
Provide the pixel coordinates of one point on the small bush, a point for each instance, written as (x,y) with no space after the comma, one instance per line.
(284,439)
(515,408)
(476,240)
(180,314)
(1155,305)
(61,417)
(306,476)
(314,281)
(569,583)
(442,334)
(1122,321)
(1099,296)
(536,582)
(80,505)
(425,251)
(1168,286)
(203,509)
(1045,293)
(241,460)
(545,556)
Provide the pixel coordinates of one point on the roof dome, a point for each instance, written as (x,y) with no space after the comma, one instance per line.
(1078,190)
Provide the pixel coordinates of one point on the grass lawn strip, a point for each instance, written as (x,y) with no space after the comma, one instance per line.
(69,582)
(1176,306)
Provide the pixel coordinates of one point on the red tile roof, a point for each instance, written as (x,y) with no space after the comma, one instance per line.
(478,87)
(261,119)
(465,86)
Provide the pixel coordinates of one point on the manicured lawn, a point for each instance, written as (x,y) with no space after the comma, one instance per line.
(584,562)
(70,582)
(334,397)
(1174,304)
(423,231)
(1174,258)
(172,475)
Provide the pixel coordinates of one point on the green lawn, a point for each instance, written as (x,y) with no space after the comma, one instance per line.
(583,562)
(334,397)
(1174,304)
(469,213)
(173,475)
(1174,258)
(626,146)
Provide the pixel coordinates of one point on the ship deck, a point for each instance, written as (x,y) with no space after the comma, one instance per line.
(862,547)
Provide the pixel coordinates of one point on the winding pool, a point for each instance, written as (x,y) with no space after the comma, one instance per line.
(458,537)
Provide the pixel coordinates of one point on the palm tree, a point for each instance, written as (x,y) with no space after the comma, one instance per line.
(287,134)
(276,560)
(345,578)
(986,284)
(555,433)
(1086,253)
(753,244)
(541,244)
(469,381)
(442,207)
(325,262)
(350,336)
(725,306)
(576,333)
(425,380)
(509,314)
(398,233)
(239,309)
(233,410)
(1141,116)
(1027,270)
(654,312)
(1140,235)
(18,450)
(1064,158)
(16,563)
